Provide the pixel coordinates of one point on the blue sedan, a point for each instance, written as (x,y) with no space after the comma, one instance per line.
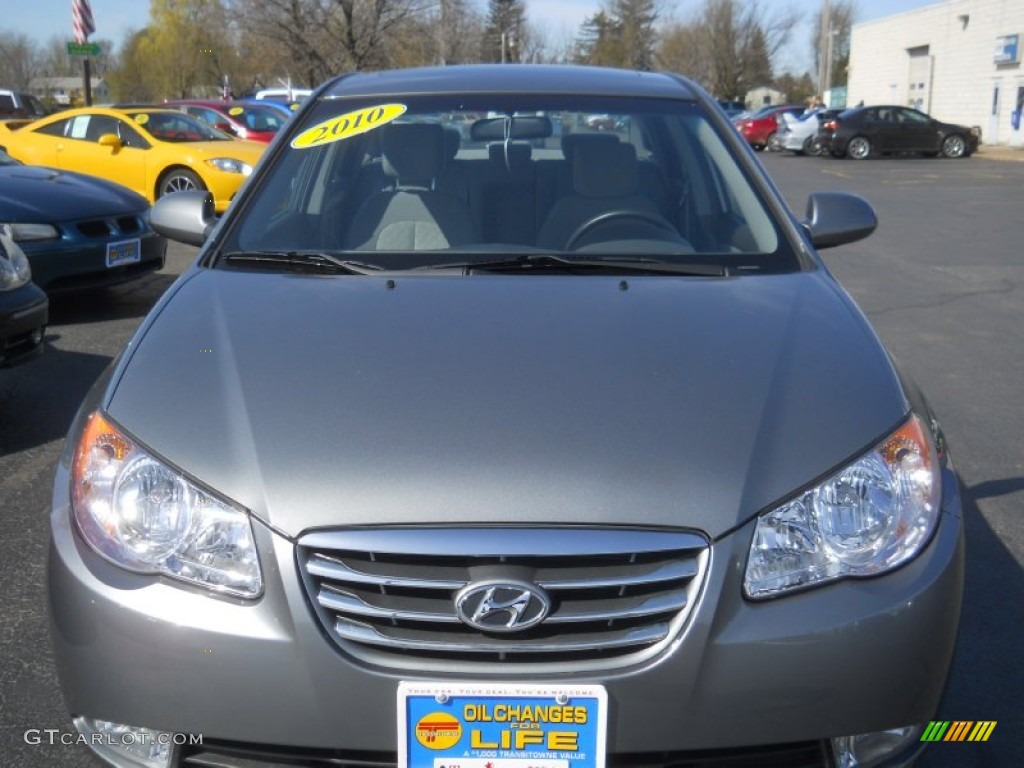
(77,231)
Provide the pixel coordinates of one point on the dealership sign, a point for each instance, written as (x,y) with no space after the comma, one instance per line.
(1007,49)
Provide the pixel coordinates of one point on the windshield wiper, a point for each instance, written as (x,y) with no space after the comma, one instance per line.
(547,261)
(301,261)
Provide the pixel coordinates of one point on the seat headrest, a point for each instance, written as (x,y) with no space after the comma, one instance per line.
(600,169)
(413,153)
(452,141)
(571,140)
(519,154)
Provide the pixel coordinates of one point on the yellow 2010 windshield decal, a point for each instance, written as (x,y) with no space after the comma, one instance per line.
(349,124)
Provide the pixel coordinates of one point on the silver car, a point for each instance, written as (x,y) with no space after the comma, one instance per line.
(490,449)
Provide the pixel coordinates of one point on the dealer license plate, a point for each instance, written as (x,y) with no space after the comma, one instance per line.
(124,252)
(480,725)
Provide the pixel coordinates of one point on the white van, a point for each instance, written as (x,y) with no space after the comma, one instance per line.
(283,94)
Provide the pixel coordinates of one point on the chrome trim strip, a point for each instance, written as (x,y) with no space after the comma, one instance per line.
(349,604)
(360,633)
(498,541)
(673,601)
(317,565)
(671,571)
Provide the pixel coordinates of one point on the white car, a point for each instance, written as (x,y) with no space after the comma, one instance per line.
(797,133)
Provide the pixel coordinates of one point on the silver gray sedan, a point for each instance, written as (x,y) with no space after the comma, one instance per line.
(480,436)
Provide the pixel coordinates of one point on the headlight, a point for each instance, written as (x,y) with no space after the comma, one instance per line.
(869,517)
(14,267)
(25,232)
(230,165)
(146,517)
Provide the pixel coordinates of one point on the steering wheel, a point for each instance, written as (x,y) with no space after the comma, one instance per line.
(653,219)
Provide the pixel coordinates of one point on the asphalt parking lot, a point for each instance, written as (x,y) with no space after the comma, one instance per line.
(941,280)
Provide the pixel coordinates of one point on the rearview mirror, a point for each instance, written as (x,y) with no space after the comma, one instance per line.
(109,140)
(837,218)
(521,127)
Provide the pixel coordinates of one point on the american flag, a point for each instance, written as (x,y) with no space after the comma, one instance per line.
(81,14)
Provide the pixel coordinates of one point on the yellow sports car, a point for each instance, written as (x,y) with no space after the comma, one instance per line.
(150,151)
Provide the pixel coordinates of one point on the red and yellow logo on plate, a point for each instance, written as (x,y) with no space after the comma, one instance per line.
(438,730)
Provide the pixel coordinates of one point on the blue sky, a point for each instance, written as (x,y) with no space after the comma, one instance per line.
(560,19)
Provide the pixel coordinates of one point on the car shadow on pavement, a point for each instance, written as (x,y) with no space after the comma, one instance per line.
(987,677)
(38,400)
(120,302)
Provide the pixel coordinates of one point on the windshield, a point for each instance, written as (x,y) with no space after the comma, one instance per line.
(168,125)
(433,180)
(258,118)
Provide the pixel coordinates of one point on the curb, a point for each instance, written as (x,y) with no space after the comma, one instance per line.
(1003,153)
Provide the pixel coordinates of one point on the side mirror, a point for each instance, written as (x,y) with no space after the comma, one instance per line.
(186,217)
(109,140)
(837,218)
(226,127)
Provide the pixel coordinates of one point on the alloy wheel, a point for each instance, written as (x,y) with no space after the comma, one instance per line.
(954,146)
(859,148)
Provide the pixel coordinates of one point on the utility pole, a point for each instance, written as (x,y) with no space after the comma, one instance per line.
(824,48)
(442,32)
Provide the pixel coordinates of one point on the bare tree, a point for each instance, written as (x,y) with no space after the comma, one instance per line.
(728,47)
(19,60)
(460,30)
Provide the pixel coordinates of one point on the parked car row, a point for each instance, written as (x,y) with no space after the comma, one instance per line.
(75,194)
(859,133)
(150,151)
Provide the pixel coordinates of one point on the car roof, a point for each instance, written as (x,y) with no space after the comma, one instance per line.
(511,78)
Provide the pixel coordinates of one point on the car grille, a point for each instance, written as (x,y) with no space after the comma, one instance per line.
(113,226)
(812,754)
(388,595)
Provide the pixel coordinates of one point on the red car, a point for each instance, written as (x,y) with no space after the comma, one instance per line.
(760,127)
(246,121)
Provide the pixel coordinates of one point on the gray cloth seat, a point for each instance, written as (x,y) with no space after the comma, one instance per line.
(604,179)
(412,215)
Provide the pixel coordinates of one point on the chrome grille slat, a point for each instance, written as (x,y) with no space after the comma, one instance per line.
(653,606)
(364,633)
(335,570)
(617,596)
(672,571)
(350,604)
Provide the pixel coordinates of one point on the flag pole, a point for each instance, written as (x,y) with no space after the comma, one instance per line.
(86,81)
(83,25)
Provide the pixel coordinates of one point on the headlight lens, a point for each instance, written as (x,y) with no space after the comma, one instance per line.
(869,517)
(14,267)
(25,232)
(230,165)
(146,517)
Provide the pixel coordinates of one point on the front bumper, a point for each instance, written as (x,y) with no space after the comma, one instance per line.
(67,265)
(23,316)
(849,658)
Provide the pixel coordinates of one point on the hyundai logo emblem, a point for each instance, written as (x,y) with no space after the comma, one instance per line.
(502,606)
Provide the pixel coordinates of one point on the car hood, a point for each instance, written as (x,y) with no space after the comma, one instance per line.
(328,401)
(34,194)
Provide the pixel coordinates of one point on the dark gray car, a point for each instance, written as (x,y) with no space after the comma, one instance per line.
(465,443)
